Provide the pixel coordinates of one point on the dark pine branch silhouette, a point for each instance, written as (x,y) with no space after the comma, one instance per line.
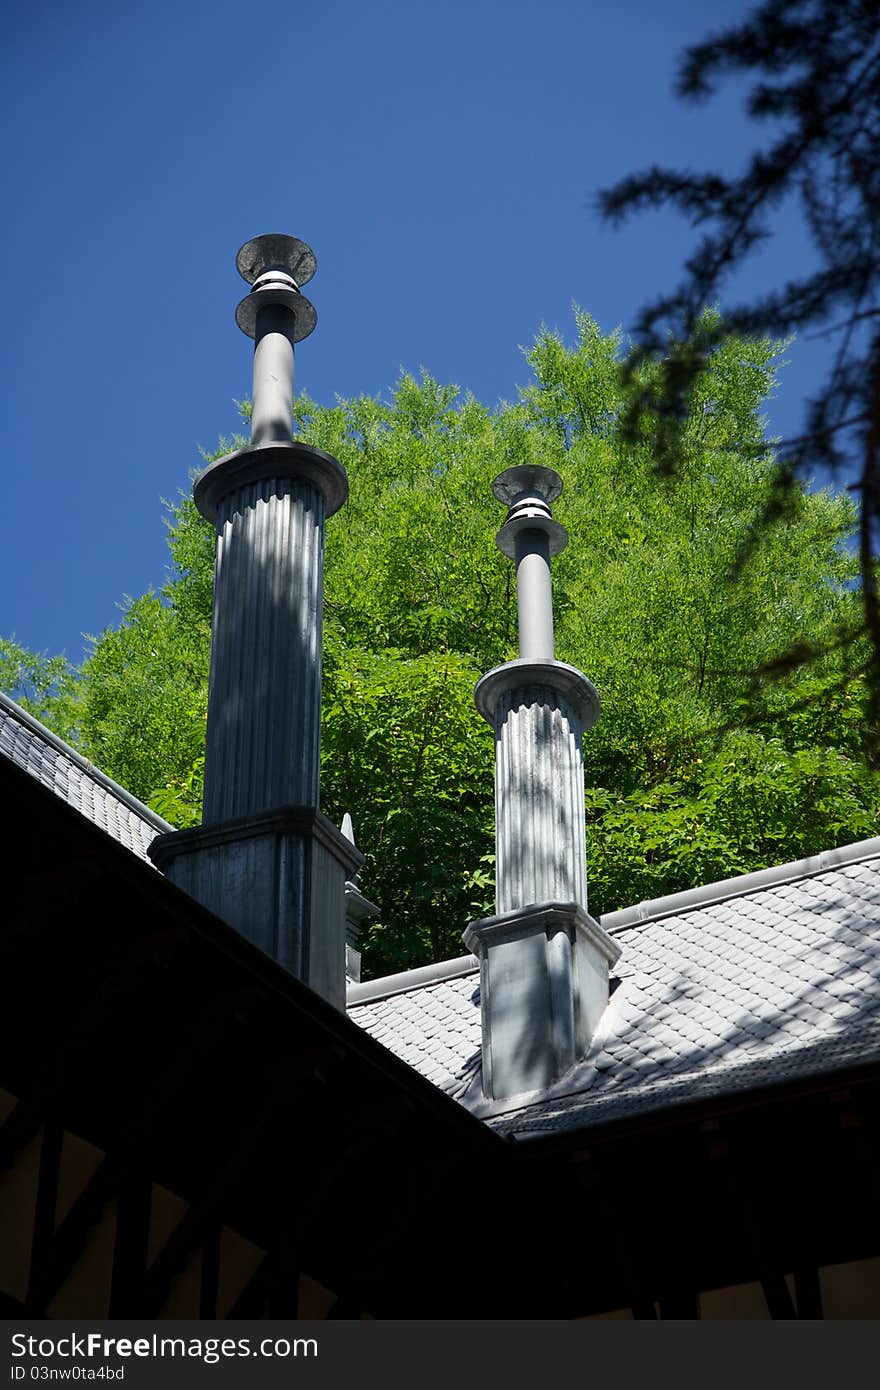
(815,70)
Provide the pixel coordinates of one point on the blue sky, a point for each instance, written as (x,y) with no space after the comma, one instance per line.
(442,160)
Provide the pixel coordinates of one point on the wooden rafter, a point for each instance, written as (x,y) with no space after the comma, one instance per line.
(681,1304)
(251,1136)
(273,1289)
(251,1301)
(743,1189)
(283,1276)
(209,1287)
(346,1306)
(132,1241)
(21,1126)
(368,1125)
(808,1293)
(598,1183)
(203,1213)
(45,1207)
(68,1242)
(109,994)
(780,1303)
(210,1030)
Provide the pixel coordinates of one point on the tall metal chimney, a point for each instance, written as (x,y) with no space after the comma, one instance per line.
(265,858)
(543,960)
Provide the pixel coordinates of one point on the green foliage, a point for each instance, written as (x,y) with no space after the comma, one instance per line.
(403,744)
(754,804)
(713,755)
(44,685)
(810,71)
(145,702)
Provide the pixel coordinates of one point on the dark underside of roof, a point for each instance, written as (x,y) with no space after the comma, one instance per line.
(135,1019)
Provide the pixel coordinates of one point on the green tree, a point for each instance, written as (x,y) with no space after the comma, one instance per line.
(46,685)
(701,765)
(814,72)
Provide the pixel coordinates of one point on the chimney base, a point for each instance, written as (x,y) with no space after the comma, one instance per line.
(279,879)
(543,988)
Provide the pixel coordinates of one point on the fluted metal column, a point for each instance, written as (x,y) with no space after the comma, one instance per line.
(539,709)
(540,832)
(269,506)
(543,960)
(263,746)
(265,858)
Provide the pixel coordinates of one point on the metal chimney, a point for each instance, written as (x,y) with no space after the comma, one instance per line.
(543,960)
(265,858)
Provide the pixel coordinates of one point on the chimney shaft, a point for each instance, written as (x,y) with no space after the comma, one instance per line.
(534,600)
(272,397)
(265,858)
(543,960)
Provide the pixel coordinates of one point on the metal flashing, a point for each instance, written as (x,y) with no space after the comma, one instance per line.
(404,980)
(707,894)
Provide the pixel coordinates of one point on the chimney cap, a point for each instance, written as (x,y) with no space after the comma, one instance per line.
(276,251)
(527,492)
(529,479)
(275,266)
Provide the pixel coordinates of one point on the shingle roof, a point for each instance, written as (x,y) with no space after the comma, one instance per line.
(773,983)
(724,988)
(31,746)
(433,1027)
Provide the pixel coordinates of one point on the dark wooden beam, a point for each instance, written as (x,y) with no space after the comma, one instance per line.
(628,1259)
(42,899)
(780,1304)
(610,1228)
(251,1301)
(273,1289)
(56,1259)
(21,1125)
(45,1208)
(808,1293)
(367,1126)
(210,1282)
(250,1136)
(643,1308)
(758,1222)
(679,1305)
(132,1244)
(346,1306)
(183,1071)
(283,1281)
(109,994)
(71,1235)
(201,1215)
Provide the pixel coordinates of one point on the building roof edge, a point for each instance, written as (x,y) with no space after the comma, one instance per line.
(89,768)
(404,980)
(640,913)
(710,893)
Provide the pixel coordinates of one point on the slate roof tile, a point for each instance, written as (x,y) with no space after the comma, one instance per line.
(769,983)
(778,981)
(25,742)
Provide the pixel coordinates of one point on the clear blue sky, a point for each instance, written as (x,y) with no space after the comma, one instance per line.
(441,158)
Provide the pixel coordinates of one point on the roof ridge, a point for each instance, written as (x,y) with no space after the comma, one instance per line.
(404,980)
(639,914)
(741,885)
(89,768)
